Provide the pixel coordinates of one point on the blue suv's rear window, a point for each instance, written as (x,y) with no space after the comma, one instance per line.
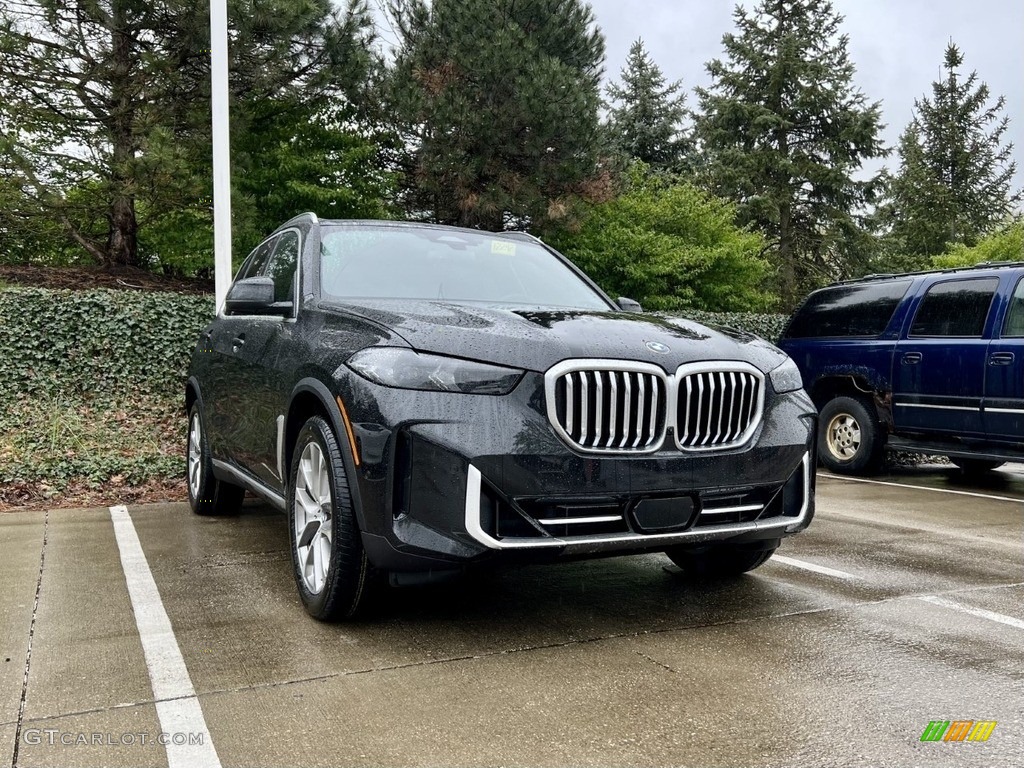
(848,310)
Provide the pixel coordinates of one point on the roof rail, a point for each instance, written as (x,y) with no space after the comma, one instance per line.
(949,270)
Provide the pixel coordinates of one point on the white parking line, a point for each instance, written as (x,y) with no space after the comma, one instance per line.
(919,487)
(814,567)
(1010,621)
(177,707)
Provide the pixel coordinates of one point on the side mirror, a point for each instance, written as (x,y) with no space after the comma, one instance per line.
(628,305)
(255,296)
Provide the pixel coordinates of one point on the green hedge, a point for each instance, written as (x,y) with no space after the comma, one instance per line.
(98,342)
(768,326)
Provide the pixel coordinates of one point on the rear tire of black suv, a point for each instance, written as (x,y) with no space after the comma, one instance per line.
(207,495)
(850,437)
(975,466)
(330,566)
(719,561)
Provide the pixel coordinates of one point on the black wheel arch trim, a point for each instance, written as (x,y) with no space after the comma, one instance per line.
(320,390)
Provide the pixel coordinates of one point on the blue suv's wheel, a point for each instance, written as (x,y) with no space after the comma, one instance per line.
(850,438)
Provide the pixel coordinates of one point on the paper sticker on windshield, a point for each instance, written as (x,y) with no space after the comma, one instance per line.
(503,247)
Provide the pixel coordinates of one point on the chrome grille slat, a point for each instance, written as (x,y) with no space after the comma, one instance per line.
(641,397)
(570,404)
(628,400)
(584,424)
(613,377)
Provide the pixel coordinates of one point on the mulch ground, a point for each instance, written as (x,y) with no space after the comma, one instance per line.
(85,278)
(79,494)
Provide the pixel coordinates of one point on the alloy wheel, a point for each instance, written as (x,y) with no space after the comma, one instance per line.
(195,454)
(314,517)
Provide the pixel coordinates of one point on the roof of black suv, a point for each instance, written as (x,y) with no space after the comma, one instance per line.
(893,275)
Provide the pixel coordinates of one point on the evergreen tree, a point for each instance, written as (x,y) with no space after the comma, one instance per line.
(953,184)
(785,132)
(647,114)
(497,104)
(105,118)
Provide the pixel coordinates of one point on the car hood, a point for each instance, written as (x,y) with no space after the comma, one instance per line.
(536,339)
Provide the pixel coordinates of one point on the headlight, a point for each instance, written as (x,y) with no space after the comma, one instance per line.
(786,378)
(406,369)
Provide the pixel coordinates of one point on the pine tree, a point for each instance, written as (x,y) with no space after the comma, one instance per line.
(785,133)
(497,102)
(646,114)
(104,122)
(954,181)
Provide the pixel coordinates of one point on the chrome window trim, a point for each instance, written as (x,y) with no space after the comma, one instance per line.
(971,408)
(708,533)
(296,288)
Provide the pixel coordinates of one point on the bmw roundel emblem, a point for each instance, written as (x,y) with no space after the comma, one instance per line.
(657,346)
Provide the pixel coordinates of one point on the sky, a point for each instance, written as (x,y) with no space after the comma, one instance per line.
(896,45)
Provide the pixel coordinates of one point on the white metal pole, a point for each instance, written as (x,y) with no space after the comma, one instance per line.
(221,149)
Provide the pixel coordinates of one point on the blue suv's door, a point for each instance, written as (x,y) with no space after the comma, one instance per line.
(939,366)
(1004,373)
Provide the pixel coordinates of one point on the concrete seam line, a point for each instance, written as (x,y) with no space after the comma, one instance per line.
(981,613)
(177,706)
(920,488)
(813,567)
(28,648)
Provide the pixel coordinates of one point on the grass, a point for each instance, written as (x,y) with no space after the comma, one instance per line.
(53,447)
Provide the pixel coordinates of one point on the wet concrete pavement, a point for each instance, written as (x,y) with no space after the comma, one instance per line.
(899,606)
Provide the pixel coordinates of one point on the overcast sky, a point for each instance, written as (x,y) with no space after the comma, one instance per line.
(896,45)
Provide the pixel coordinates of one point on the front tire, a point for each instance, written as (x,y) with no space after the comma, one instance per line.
(330,566)
(850,437)
(207,495)
(719,561)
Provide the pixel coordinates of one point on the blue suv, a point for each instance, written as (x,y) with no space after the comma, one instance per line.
(928,362)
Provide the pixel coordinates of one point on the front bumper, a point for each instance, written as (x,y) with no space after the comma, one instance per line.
(475,478)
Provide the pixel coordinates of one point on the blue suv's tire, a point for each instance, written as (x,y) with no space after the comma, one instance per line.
(850,438)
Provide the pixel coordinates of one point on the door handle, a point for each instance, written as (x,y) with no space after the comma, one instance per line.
(1001,358)
(237,342)
(912,358)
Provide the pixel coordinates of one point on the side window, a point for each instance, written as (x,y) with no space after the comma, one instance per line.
(1014,326)
(848,310)
(955,308)
(282,265)
(256,261)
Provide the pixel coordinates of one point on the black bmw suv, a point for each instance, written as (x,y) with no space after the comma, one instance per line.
(421,398)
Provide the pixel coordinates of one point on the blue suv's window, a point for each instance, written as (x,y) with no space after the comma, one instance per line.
(1014,327)
(848,310)
(955,308)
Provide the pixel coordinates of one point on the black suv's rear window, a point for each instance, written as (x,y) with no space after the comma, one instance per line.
(848,310)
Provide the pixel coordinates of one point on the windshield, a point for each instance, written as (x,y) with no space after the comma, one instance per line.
(447,265)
